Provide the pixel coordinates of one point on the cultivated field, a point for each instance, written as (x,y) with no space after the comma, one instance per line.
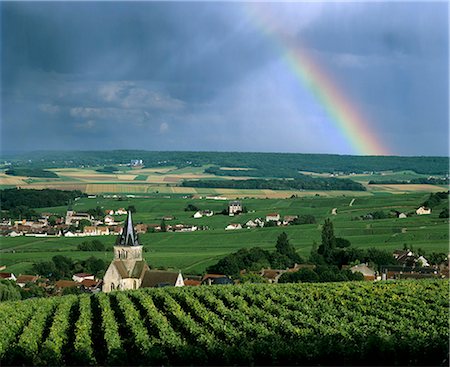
(194,252)
(167,179)
(404,323)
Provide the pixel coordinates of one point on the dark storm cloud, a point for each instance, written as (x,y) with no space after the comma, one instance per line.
(205,76)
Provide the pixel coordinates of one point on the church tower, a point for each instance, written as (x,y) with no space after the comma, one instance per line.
(128,267)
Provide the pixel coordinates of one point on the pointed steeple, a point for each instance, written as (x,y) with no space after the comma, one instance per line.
(128,236)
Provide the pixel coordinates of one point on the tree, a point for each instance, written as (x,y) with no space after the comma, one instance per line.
(285,248)
(9,291)
(342,242)
(63,266)
(45,268)
(328,240)
(83,223)
(163,226)
(131,208)
(444,213)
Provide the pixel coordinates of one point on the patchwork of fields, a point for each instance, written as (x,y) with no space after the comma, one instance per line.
(167,179)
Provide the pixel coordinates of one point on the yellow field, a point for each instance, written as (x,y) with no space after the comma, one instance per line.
(11,180)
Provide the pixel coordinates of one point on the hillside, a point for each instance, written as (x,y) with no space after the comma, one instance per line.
(263,164)
(404,323)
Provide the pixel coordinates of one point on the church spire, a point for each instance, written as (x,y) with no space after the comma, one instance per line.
(128,236)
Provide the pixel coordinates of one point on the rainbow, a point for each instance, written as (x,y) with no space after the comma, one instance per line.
(353,126)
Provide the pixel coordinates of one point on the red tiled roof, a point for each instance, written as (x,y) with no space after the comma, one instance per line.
(66,284)
(5,275)
(83,275)
(89,283)
(27,278)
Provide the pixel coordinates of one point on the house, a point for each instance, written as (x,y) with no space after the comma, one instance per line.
(288,219)
(368,273)
(272,275)
(70,234)
(234,207)
(61,284)
(198,215)
(120,211)
(216,279)
(233,226)
(75,218)
(92,286)
(141,228)
(79,277)
(159,278)
(24,279)
(251,224)
(109,212)
(207,213)
(421,261)
(128,268)
(14,234)
(402,215)
(272,217)
(423,210)
(96,231)
(109,220)
(8,276)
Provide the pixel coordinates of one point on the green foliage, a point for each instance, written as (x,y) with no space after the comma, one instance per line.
(251,324)
(9,291)
(342,242)
(256,258)
(13,198)
(131,208)
(96,212)
(191,208)
(107,169)
(52,352)
(301,276)
(304,219)
(83,343)
(435,199)
(30,172)
(301,183)
(328,241)
(94,245)
(63,267)
(444,213)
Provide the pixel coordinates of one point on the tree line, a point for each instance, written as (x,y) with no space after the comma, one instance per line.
(303,183)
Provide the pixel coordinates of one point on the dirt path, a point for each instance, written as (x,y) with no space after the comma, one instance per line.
(351,202)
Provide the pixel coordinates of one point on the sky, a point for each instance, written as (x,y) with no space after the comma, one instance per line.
(305,77)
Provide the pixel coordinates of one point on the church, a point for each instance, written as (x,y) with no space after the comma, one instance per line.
(129,270)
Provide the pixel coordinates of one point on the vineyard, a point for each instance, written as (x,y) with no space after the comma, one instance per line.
(330,324)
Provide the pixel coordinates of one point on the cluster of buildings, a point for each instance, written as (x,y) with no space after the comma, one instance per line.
(272,219)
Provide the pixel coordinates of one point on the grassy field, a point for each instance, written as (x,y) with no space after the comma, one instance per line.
(193,252)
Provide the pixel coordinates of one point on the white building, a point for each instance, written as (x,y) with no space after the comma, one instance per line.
(234,207)
(423,210)
(233,226)
(273,217)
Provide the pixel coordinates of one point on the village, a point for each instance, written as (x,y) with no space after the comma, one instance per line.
(129,270)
